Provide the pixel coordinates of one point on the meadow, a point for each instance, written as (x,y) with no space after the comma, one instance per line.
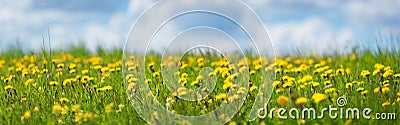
(76,86)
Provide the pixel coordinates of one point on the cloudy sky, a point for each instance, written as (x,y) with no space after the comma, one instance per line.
(309,25)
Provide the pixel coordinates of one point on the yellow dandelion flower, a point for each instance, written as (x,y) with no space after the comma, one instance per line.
(53,83)
(387,73)
(64,100)
(226,85)
(252,88)
(318,97)
(23,100)
(109,107)
(75,108)
(359,89)
(26,115)
(28,82)
(221,96)
(56,109)
(301,100)
(315,84)
(279,90)
(349,85)
(85,72)
(365,73)
(8,87)
(386,103)
(156,74)
(377,89)
(67,81)
(385,90)
(364,92)
(61,65)
(276,83)
(282,100)
(148,81)
(329,90)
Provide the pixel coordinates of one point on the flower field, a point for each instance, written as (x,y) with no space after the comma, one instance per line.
(79,87)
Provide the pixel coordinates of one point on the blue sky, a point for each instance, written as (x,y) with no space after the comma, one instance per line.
(323,26)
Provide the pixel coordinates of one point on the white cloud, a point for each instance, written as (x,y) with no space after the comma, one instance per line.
(312,34)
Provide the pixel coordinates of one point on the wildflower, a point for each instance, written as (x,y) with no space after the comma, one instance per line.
(253,88)
(109,107)
(26,115)
(156,74)
(359,89)
(396,75)
(56,109)
(340,72)
(315,84)
(387,73)
(6,80)
(148,81)
(60,65)
(105,88)
(23,100)
(221,96)
(36,109)
(279,90)
(287,84)
(226,85)
(329,90)
(327,82)
(318,97)
(306,78)
(365,73)
(276,83)
(75,108)
(301,100)
(67,81)
(349,85)
(379,66)
(8,87)
(282,100)
(377,89)
(386,103)
(233,97)
(64,100)
(85,72)
(53,83)
(385,90)
(364,92)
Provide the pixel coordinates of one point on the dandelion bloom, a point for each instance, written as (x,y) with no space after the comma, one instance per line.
(56,109)
(8,87)
(53,83)
(109,107)
(26,115)
(318,97)
(365,73)
(301,100)
(64,100)
(386,103)
(282,100)
(28,82)
(364,92)
(252,88)
(221,96)
(385,90)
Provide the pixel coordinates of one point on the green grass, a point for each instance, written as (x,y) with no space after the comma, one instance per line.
(41,96)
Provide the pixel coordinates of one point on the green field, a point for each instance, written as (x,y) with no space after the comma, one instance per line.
(76,86)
